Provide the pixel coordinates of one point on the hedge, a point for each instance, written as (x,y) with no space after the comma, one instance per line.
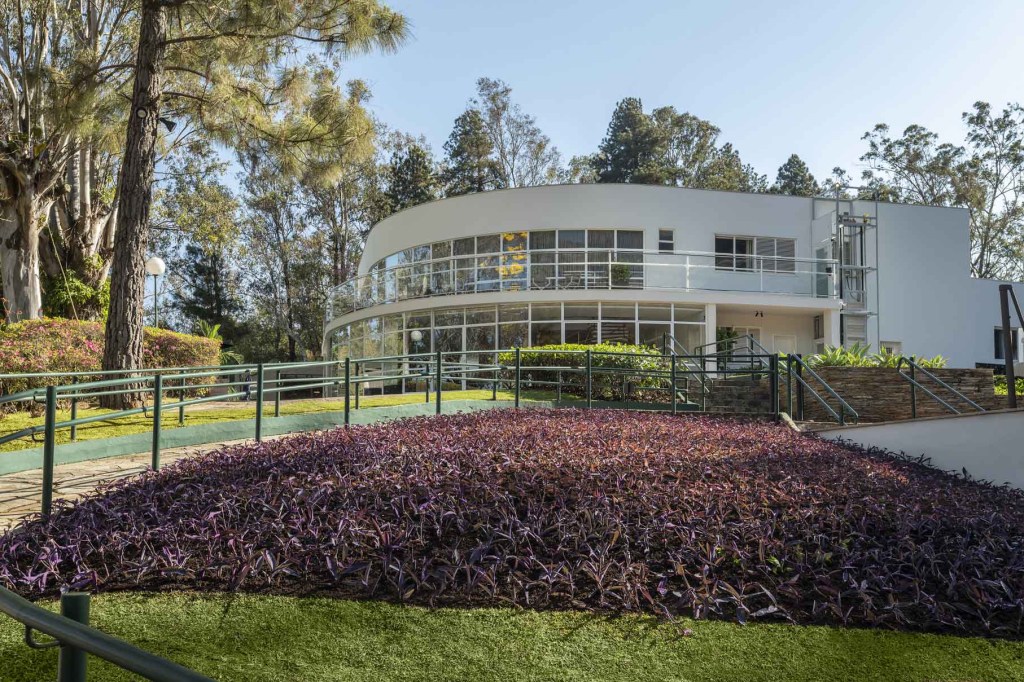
(60,345)
(605,385)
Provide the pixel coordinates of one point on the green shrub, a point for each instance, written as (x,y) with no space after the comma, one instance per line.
(1001,388)
(59,345)
(604,356)
(857,356)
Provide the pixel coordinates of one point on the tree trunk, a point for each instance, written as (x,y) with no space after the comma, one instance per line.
(123,341)
(19,258)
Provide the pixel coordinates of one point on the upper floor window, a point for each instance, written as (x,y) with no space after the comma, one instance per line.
(767,254)
(666,241)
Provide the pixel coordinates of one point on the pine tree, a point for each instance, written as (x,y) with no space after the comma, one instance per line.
(209,291)
(470,165)
(633,149)
(795,178)
(410,177)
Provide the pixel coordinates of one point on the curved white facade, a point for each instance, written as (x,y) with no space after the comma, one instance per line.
(633,263)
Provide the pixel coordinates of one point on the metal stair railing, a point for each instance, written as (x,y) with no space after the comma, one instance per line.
(802,367)
(916,370)
(671,346)
(71,632)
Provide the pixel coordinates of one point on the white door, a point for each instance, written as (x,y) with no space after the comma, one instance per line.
(784,343)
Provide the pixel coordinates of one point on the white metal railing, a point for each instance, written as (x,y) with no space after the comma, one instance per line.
(542,270)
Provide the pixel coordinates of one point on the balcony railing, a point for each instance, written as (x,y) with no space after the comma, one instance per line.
(555,270)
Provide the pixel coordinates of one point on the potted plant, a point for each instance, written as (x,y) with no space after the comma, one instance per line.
(622,274)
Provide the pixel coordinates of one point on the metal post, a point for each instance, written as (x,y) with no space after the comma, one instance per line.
(590,385)
(357,386)
(74,413)
(259,402)
(773,367)
(71,663)
(913,391)
(518,374)
(494,382)
(437,386)
(675,407)
(348,376)
(789,384)
(277,393)
(800,388)
(181,399)
(49,438)
(1009,352)
(158,391)
(156,305)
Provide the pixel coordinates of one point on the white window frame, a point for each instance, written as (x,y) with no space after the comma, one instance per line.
(733,256)
(763,254)
(666,245)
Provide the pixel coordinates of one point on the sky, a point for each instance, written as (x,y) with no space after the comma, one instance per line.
(778,78)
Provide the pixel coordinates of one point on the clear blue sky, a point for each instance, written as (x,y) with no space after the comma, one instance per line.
(777,78)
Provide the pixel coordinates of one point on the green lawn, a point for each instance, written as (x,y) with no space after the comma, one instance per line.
(316,639)
(209,413)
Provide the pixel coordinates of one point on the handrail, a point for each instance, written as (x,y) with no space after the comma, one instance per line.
(915,368)
(90,640)
(844,407)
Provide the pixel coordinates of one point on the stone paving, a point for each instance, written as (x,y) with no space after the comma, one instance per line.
(21,493)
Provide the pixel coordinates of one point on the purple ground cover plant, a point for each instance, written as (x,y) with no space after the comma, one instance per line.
(604,510)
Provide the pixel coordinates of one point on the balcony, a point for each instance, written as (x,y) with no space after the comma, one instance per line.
(574,270)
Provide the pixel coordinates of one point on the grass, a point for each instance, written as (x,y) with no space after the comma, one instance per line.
(319,639)
(213,412)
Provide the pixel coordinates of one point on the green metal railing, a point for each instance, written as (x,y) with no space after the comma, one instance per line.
(795,368)
(71,632)
(914,376)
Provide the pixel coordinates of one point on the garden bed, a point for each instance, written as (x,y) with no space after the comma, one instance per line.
(600,510)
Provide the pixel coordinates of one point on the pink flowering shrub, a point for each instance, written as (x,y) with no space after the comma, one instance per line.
(61,345)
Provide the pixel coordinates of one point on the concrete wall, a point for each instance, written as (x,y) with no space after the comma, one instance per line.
(987,445)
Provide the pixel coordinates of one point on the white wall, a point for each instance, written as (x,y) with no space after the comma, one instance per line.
(988,445)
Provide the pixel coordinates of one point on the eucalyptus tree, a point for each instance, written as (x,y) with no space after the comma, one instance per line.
(231,70)
(63,67)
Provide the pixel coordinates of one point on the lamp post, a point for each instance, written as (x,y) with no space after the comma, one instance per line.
(156,267)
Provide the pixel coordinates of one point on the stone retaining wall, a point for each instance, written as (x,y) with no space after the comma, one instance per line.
(879,394)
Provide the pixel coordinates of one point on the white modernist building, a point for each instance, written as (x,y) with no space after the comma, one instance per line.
(636,263)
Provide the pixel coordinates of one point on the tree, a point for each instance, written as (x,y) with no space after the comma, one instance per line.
(410,176)
(986,175)
(795,178)
(227,74)
(61,72)
(524,156)
(633,149)
(469,163)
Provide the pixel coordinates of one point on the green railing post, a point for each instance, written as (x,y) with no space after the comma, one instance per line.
(800,388)
(49,442)
(357,386)
(426,382)
(773,367)
(71,662)
(913,391)
(789,384)
(437,385)
(675,407)
(158,391)
(181,399)
(277,393)
(74,413)
(494,380)
(519,372)
(348,376)
(590,385)
(259,402)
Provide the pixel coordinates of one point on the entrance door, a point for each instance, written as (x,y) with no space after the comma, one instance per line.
(784,343)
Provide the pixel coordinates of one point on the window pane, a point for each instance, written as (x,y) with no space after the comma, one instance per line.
(448,318)
(464,247)
(630,239)
(551,311)
(618,332)
(653,334)
(571,239)
(581,332)
(488,244)
(480,315)
(581,311)
(655,312)
(512,313)
(724,245)
(542,240)
(513,241)
(617,312)
(545,333)
(421,253)
(448,340)
(481,338)
(600,239)
(440,250)
(513,335)
(684,314)
(417,320)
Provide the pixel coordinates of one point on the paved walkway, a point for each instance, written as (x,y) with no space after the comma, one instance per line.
(21,493)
